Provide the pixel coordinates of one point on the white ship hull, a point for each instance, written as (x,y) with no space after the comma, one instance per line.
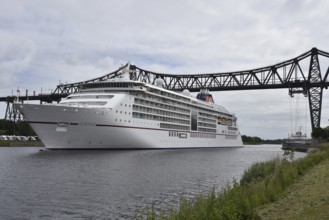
(63,127)
(124,114)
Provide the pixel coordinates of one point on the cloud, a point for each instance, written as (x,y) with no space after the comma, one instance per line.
(16,56)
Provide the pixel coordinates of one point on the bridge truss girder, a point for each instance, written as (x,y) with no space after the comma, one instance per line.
(288,74)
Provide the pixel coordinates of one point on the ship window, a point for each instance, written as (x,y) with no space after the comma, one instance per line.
(91,97)
(194,121)
(86,103)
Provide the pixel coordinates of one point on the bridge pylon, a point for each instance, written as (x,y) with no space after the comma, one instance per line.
(315,91)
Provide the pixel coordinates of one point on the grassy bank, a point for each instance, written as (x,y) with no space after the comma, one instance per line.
(4,143)
(306,199)
(263,183)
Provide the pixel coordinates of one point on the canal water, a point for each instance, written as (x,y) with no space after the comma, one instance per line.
(114,184)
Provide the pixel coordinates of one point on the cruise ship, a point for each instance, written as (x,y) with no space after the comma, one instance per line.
(121,113)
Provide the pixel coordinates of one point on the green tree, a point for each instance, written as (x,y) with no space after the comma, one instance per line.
(21,128)
(251,140)
(320,133)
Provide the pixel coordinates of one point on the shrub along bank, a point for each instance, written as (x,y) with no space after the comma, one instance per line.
(261,184)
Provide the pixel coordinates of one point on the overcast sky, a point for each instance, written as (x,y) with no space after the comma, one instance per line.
(43,43)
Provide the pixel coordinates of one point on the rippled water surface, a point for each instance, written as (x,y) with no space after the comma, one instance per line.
(113,184)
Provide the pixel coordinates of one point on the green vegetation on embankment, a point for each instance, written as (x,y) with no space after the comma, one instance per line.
(307,199)
(4,143)
(264,183)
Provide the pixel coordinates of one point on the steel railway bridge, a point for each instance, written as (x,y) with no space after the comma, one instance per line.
(306,74)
